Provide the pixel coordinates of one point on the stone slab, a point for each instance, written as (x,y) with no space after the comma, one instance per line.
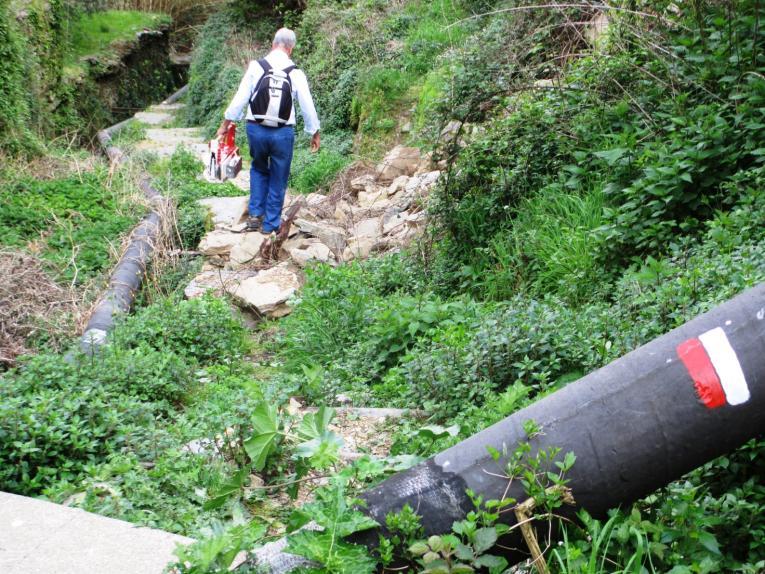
(38,537)
(164,141)
(154,118)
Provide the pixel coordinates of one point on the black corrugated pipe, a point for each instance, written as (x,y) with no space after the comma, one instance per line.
(635,425)
(128,274)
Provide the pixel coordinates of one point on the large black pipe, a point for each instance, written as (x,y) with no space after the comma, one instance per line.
(128,274)
(635,425)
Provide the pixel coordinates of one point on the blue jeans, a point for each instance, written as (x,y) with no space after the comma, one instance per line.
(271,151)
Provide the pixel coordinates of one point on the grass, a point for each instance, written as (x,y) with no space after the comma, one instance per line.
(93,34)
(74,221)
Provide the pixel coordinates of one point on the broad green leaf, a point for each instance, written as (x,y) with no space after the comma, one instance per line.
(709,542)
(490,561)
(463,552)
(322,451)
(314,425)
(227,490)
(265,430)
(485,538)
(611,156)
(436,431)
(264,418)
(258,447)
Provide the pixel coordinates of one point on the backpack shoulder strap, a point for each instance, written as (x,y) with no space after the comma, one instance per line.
(265,65)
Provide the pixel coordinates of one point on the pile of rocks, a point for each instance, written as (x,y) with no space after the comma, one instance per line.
(381,211)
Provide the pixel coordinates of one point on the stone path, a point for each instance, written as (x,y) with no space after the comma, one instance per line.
(38,537)
(380,209)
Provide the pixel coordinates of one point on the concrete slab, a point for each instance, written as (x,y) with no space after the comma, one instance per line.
(164,141)
(166,108)
(38,537)
(154,118)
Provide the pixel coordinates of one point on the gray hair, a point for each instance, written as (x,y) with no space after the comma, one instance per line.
(285,37)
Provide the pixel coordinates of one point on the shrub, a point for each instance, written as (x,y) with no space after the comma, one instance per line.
(313,172)
(72,219)
(202,329)
(50,431)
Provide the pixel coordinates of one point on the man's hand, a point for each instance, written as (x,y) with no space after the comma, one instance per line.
(315,142)
(223,128)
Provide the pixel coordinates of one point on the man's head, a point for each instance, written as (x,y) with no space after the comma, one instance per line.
(284,39)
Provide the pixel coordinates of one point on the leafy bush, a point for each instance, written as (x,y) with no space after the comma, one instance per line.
(70,219)
(201,329)
(51,430)
(659,166)
(313,172)
(217,68)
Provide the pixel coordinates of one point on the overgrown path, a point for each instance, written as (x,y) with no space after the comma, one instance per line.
(370,210)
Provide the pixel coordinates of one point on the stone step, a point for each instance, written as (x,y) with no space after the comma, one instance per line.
(164,141)
(38,537)
(154,118)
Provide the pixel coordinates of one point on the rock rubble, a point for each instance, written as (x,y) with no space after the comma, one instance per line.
(383,210)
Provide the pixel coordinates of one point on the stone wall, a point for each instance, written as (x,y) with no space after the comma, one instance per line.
(137,73)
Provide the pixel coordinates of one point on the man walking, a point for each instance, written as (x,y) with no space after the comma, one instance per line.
(268,89)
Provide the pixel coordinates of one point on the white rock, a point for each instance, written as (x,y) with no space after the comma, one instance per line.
(418,186)
(398,184)
(377,197)
(400,160)
(362,182)
(450,129)
(247,249)
(268,291)
(359,248)
(330,235)
(370,227)
(219,242)
(314,252)
(343,212)
(215,280)
(199,446)
(416,219)
(226,211)
(394,222)
(294,406)
(313,200)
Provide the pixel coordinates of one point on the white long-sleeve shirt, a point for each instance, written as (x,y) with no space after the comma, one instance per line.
(279,60)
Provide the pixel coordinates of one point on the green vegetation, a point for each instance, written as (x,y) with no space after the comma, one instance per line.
(582,216)
(48,92)
(68,221)
(579,222)
(93,34)
(114,439)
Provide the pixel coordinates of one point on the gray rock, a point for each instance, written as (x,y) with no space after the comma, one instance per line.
(219,242)
(400,160)
(247,249)
(330,235)
(226,212)
(216,280)
(370,227)
(362,182)
(269,291)
(313,252)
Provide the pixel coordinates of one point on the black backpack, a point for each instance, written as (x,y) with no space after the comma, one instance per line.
(271,101)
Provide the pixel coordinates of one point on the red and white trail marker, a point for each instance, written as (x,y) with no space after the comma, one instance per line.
(715,369)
